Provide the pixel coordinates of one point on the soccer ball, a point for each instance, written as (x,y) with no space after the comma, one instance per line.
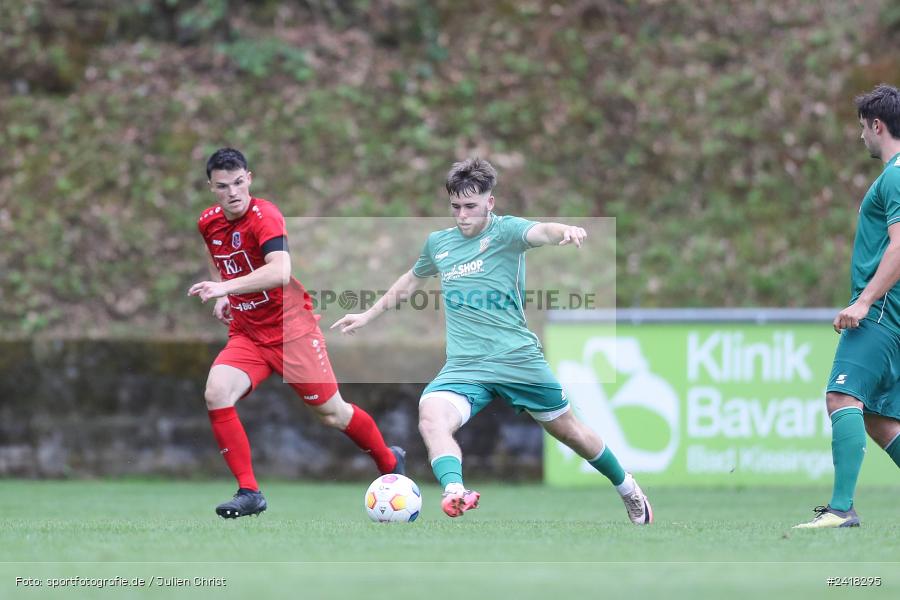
(393,499)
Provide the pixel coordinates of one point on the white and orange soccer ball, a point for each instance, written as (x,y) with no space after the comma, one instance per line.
(393,499)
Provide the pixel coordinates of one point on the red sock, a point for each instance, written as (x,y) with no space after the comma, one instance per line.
(234,445)
(365,434)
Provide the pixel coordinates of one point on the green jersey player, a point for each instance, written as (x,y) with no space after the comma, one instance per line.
(863,393)
(490,351)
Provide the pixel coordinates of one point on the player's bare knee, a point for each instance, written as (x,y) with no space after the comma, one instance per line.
(332,418)
(329,420)
(560,431)
(427,425)
(431,424)
(563,427)
(836,401)
(218,396)
(334,413)
(570,438)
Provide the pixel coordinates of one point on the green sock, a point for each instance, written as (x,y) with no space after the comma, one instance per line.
(848,447)
(607,463)
(447,469)
(893,450)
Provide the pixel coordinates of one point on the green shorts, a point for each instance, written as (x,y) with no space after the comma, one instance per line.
(528,385)
(867,367)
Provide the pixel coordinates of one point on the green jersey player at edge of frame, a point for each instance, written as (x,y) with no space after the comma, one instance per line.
(863,391)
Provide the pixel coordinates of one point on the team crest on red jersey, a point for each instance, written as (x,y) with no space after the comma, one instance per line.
(236,240)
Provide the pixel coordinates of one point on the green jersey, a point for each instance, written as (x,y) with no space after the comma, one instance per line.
(880,208)
(482,289)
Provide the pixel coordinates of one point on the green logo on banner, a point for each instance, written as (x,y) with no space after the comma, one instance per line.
(690,403)
(597,404)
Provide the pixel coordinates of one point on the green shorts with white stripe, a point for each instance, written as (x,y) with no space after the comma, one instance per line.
(525,382)
(867,367)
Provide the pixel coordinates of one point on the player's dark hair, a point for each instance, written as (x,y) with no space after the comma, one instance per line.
(470,177)
(882,103)
(225,159)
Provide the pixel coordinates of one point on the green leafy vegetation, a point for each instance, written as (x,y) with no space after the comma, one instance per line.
(721,137)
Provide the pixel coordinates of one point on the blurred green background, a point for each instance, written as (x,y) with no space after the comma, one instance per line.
(722,137)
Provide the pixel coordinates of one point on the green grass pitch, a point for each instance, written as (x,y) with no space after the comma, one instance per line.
(526,541)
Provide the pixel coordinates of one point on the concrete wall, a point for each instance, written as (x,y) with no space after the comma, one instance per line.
(118,408)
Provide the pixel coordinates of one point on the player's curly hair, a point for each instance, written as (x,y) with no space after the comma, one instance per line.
(471,177)
(225,159)
(882,103)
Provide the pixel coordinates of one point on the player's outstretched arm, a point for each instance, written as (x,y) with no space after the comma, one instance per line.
(886,276)
(275,273)
(222,308)
(544,234)
(401,290)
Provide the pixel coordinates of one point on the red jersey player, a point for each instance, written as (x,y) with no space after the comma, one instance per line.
(271,328)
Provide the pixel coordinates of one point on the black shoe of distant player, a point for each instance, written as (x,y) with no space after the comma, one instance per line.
(245,502)
(400,454)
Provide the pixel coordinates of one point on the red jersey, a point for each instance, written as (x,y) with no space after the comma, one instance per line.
(270,316)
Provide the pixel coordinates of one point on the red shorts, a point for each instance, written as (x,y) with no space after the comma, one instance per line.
(303,364)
